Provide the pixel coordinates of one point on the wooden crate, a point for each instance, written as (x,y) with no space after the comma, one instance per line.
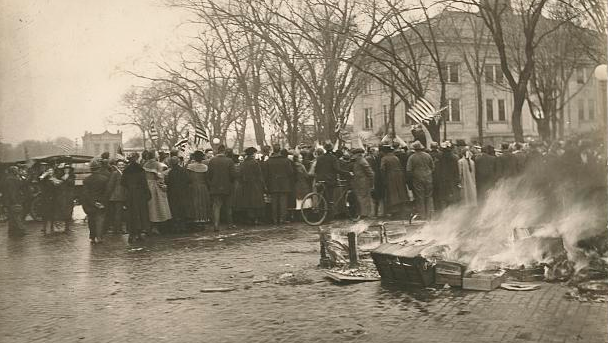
(403,265)
(450,273)
(486,280)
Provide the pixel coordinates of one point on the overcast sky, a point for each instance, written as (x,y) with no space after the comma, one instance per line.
(62,61)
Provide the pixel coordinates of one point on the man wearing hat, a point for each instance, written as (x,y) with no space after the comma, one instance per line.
(250,195)
(327,169)
(95,200)
(362,182)
(12,188)
(485,171)
(420,168)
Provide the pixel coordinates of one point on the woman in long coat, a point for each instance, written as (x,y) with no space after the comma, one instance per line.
(250,194)
(363,182)
(158,206)
(466,167)
(137,197)
(48,193)
(393,177)
(200,203)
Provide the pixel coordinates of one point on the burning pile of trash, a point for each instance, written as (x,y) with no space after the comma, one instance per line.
(527,230)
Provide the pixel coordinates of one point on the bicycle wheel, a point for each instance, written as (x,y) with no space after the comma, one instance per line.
(314,209)
(352,206)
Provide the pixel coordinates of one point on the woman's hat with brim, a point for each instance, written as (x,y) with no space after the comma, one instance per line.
(357,151)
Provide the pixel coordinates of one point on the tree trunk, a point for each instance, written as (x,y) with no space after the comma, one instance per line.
(392,114)
(442,103)
(518,104)
(479,96)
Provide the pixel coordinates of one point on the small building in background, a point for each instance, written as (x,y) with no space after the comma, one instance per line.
(95,144)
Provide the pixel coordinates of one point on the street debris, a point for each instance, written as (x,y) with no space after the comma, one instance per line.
(258,279)
(519,286)
(135,249)
(217,289)
(179,298)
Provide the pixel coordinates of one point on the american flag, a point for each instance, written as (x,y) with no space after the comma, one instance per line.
(274,118)
(153,132)
(66,149)
(423,111)
(181,145)
(200,134)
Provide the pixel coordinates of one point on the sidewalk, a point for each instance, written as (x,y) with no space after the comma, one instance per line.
(59,288)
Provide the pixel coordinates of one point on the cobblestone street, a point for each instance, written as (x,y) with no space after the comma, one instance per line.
(59,288)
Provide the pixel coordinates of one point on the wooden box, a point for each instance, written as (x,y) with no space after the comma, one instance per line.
(403,264)
(450,273)
(486,280)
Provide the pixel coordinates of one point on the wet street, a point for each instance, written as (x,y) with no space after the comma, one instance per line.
(59,288)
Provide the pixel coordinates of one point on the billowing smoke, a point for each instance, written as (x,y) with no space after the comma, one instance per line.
(524,221)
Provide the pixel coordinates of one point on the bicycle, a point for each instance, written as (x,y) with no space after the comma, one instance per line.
(315,207)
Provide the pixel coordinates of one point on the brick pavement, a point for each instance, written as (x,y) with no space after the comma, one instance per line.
(61,289)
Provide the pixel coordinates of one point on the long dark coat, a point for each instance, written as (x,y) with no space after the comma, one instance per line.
(485,173)
(94,190)
(138,194)
(178,192)
(327,168)
(48,193)
(250,194)
(506,165)
(221,175)
(395,191)
(279,174)
(362,184)
(447,178)
(378,192)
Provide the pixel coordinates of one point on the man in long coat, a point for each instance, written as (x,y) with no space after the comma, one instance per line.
(251,193)
(393,175)
(506,163)
(137,197)
(420,166)
(279,179)
(178,192)
(485,171)
(95,200)
(221,175)
(446,178)
(362,182)
(327,169)
(12,189)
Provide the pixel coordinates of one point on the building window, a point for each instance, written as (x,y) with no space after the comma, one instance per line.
(368,120)
(493,73)
(384,87)
(490,109)
(591,109)
(581,110)
(450,72)
(453,110)
(580,75)
(501,110)
(97,149)
(368,88)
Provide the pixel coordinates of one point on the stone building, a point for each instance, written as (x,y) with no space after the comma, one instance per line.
(370,110)
(95,144)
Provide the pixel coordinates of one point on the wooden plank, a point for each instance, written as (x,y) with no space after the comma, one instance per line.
(346,278)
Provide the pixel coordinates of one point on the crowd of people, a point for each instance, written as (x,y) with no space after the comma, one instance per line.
(155,192)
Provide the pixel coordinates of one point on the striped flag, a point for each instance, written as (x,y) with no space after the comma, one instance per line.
(153,132)
(274,118)
(181,145)
(423,111)
(200,134)
(65,148)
